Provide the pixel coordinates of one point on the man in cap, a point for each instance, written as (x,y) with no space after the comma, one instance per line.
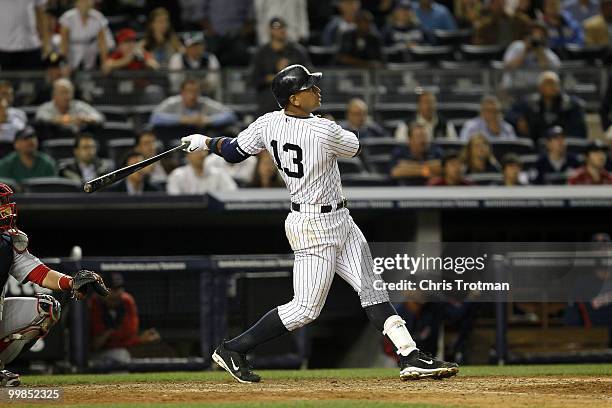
(553,165)
(26,161)
(114,323)
(271,58)
(128,55)
(195,57)
(593,171)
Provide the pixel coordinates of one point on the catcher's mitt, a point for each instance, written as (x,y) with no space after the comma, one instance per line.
(85,281)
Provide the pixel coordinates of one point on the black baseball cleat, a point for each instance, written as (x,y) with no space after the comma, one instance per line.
(417,365)
(236,364)
(8,379)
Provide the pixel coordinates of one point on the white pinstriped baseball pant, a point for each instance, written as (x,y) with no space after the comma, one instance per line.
(326,244)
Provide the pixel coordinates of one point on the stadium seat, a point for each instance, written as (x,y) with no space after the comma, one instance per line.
(485,179)
(115,130)
(115,113)
(453,37)
(458,110)
(518,146)
(58,148)
(483,53)
(378,164)
(379,145)
(366,179)
(352,165)
(431,53)
(449,144)
(322,55)
(528,160)
(117,148)
(584,53)
(51,185)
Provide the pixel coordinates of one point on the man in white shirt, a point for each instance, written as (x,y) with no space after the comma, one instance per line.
(12,120)
(490,122)
(192,179)
(24,35)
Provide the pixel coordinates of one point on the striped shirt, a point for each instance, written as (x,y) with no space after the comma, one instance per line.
(305,152)
(18,25)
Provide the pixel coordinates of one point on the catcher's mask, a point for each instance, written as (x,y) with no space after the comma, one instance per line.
(8,209)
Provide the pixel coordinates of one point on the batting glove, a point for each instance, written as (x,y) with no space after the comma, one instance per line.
(196,142)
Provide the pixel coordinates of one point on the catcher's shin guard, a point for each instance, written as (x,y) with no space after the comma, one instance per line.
(23,321)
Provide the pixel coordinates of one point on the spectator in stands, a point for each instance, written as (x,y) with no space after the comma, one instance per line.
(229,25)
(554,165)
(593,171)
(12,120)
(192,109)
(581,10)
(499,27)
(490,123)
(478,156)
(339,24)
(85,36)
(453,172)
(24,34)
(193,179)
(434,16)
(598,28)
(266,174)
(358,122)
(532,51)
(160,39)
(65,112)
(605,110)
(511,170)
(147,145)
(380,9)
(562,28)
(242,172)
(403,28)
(56,68)
(361,47)
(416,162)
(195,57)
(271,58)
(136,183)
(114,324)
(533,115)
(295,13)
(26,161)
(427,115)
(129,55)
(468,13)
(85,165)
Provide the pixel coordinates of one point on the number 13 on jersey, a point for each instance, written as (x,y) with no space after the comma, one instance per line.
(296,156)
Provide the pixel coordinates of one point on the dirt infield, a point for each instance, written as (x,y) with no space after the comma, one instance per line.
(461,391)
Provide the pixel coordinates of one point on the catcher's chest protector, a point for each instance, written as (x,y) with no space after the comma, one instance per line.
(6,258)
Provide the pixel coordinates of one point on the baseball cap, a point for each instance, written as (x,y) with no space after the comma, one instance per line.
(115,280)
(192,38)
(277,22)
(596,146)
(25,133)
(406,4)
(511,158)
(126,34)
(54,59)
(555,131)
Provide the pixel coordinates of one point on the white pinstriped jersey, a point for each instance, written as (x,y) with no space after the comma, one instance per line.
(305,152)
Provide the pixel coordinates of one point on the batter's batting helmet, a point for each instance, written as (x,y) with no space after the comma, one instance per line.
(293,79)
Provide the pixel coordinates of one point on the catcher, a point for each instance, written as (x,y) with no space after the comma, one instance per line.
(25,319)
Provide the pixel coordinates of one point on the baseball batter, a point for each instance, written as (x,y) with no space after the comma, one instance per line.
(25,319)
(322,233)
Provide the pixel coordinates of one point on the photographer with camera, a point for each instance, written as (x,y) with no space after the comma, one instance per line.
(128,55)
(532,52)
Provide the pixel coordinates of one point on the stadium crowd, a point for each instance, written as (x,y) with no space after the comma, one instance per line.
(58,129)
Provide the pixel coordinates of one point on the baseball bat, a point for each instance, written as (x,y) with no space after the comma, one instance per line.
(119,174)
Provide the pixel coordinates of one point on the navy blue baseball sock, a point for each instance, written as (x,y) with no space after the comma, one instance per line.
(379,313)
(267,328)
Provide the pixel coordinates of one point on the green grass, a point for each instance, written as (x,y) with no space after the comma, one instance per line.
(363,373)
